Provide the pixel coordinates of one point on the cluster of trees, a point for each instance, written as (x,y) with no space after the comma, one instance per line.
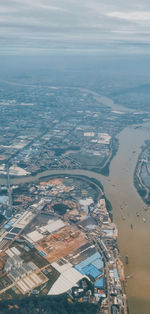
(60,208)
(46,305)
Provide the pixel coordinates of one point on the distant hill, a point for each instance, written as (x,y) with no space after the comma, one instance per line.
(135,97)
(145,88)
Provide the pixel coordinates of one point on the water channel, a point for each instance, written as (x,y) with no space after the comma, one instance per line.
(126,202)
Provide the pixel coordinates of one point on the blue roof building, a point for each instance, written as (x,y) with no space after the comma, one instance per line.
(88,261)
(99,283)
(91,270)
(98,263)
(116,273)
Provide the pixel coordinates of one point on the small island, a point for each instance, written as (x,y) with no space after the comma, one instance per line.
(142,173)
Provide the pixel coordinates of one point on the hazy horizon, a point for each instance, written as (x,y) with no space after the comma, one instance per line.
(43,26)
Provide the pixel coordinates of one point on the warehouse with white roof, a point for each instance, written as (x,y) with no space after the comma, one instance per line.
(68,278)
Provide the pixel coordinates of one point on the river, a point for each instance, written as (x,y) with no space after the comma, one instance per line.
(120,190)
(126,202)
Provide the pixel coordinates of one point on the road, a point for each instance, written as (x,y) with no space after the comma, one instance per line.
(100,250)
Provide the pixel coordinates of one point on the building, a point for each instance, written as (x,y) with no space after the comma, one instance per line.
(115,309)
(14,275)
(13,262)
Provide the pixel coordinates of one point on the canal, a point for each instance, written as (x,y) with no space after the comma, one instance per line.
(126,202)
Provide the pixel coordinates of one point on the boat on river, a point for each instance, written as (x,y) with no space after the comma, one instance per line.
(126,259)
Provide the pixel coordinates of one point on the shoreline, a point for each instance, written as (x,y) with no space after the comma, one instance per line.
(103,170)
(141,188)
(120,190)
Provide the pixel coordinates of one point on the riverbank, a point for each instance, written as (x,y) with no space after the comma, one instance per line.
(114,149)
(139,183)
(120,190)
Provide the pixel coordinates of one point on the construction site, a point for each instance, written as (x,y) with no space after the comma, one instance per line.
(62,243)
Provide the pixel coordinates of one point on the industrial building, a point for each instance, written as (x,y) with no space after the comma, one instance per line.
(50,227)
(13,262)
(68,278)
(91,266)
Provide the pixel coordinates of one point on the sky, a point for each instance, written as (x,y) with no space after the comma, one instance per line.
(42,26)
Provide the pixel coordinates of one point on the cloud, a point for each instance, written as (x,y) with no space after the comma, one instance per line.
(131,16)
(72,24)
(39,5)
